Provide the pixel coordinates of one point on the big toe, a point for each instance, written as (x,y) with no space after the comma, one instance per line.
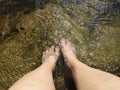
(63,42)
(63,46)
(65,49)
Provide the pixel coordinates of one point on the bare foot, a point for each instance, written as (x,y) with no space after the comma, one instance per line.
(50,56)
(68,51)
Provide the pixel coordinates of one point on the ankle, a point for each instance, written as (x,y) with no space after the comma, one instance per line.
(77,66)
(80,67)
(49,66)
(73,64)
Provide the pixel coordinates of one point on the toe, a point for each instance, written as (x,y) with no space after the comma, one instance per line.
(63,46)
(46,51)
(62,42)
(43,53)
(57,50)
(52,48)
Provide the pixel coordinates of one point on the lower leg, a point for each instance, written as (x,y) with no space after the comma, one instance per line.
(41,78)
(85,77)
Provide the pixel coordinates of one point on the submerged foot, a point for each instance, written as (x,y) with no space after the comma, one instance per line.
(50,56)
(68,51)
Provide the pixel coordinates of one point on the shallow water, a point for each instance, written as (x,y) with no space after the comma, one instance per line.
(27,28)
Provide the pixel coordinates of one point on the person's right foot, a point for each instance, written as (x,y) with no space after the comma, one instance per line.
(68,51)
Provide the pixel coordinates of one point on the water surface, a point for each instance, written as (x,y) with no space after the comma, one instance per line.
(27,28)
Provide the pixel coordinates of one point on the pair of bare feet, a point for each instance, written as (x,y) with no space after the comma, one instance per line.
(68,51)
(52,54)
(82,76)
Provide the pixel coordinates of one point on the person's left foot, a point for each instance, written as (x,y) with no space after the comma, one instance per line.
(50,56)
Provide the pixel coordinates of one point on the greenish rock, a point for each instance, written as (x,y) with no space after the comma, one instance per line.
(93,26)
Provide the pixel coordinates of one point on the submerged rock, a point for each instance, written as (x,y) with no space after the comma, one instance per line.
(94,31)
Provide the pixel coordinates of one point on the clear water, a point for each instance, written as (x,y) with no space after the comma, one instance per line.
(27,28)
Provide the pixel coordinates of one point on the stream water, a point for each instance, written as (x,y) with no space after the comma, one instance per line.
(28,27)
